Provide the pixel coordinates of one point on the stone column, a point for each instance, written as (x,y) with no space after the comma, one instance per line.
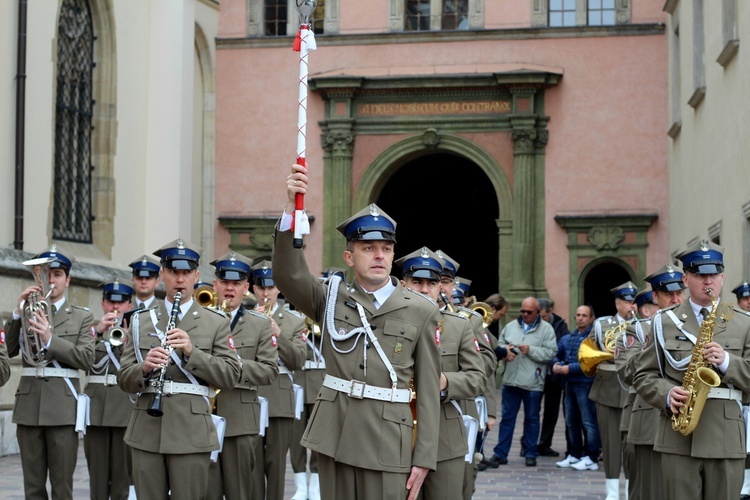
(524,227)
(338,146)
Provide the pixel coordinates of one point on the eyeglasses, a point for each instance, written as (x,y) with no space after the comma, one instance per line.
(527,312)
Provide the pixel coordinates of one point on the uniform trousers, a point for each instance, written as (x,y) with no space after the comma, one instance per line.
(43,448)
(270,456)
(628,457)
(609,431)
(231,476)
(688,478)
(109,462)
(646,481)
(339,481)
(155,474)
(297,452)
(470,479)
(443,483)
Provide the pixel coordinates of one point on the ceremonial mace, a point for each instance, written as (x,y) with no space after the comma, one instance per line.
(303,43)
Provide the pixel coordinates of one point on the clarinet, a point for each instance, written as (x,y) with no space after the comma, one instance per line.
(155,409)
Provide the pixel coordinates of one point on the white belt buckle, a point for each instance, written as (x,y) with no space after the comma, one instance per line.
(110,380)
(39,371)
(168,389)
(357,390)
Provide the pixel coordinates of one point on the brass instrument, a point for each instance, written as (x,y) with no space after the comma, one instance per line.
(224,307)
(155,409)
(312,326)
(699,376)
(590,355)
(206,296)
(484,310)
(36,303)
(116,334)
(267,308)
(448,304)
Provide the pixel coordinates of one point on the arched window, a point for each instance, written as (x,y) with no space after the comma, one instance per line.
(73,122)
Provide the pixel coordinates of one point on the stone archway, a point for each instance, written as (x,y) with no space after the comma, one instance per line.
(596,281)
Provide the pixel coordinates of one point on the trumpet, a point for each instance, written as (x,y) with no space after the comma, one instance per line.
(206,296)
(116,334)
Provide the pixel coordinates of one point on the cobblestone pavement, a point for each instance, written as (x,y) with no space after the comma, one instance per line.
(514,481)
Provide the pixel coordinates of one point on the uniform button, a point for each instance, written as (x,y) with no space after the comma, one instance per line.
(362,366)
(402,331)
(374,327)
(368,346)
(403,419)
(678,357)
(346,316)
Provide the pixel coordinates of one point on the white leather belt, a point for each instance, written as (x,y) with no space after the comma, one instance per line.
(360,390)
(314,365)
(181,388)
(47,372)
(110,379)
(283,370)
(724,393)
(607,368)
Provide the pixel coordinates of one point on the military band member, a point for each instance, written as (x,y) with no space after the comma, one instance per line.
(462,377)
(609,393)
(377,336)
(628,345)
(742,292)
(172,452)
(145,279)
(449,284)
(230,476)
(289,336)
(709,462)
(107,456)
(46,399)
(645,469)
(310,378)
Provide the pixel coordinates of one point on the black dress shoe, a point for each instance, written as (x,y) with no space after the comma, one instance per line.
(548,452)
(530,462)
(522,453)
(495,461)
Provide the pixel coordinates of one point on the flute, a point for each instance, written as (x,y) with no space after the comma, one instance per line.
(155,409)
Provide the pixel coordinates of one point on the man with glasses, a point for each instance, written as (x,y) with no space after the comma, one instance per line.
(531,344)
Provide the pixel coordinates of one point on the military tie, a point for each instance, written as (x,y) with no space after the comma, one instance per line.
(704,313)
(53,309)
(374,300)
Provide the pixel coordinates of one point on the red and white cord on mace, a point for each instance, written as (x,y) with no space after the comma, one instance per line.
(304,42)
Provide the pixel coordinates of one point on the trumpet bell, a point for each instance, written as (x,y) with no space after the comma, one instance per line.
(589,357)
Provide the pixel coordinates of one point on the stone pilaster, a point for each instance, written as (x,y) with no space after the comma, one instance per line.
(338,147)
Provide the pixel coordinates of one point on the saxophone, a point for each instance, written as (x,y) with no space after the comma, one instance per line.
(699,377)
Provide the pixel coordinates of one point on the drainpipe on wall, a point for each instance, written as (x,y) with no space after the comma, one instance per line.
(20,122)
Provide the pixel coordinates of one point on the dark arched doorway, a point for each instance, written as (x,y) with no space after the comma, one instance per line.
(597,285)
(444,201)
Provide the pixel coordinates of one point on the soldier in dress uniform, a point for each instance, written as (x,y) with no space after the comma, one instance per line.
(4,360)
(107,456)
(709,462)
(645,465)
(310,378)
(145,280)
(377,336)
(608,392)
(462,378)
(742,292)
(645,304)
(46,400)
(289,336)
(230,477)
(172,451)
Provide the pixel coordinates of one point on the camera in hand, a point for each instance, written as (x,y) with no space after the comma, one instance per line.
(515,350)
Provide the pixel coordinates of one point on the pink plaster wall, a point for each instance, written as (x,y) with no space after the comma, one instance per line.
(232,18)
(607,147)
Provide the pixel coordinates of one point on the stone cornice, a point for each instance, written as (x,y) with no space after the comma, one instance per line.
(646,29)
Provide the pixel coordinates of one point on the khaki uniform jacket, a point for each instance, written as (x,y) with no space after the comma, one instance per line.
(291,352)
(487,343)
(369,433)
(721,431)
(628,346)
(607,389)
(110,407)
(311,379)
(50,401)
(186,425)
(240,406)
(4,362)
(461,363)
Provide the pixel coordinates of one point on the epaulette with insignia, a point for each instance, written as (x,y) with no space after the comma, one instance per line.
(452,313)
(82,308)
(216,311)
(425,297)
(256,313)
(296,313)
(472,311)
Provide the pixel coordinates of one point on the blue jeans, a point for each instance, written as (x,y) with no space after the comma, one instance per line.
(580,418)
(532,403)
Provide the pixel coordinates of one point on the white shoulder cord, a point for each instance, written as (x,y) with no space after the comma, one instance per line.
(333,287)
(677,365)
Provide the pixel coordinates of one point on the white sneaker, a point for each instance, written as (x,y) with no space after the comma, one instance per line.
(568,462)
(585,464)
